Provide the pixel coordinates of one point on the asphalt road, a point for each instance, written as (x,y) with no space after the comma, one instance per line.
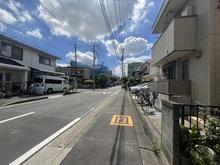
(24,126)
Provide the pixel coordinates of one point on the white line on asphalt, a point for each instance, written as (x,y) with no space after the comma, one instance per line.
(13,118)
(32,151)
(117,92)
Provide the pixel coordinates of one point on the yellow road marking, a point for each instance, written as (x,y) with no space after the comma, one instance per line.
(121,120)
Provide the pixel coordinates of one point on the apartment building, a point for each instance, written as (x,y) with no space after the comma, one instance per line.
(19,63)
(148,72)
(188,50)
(134,66)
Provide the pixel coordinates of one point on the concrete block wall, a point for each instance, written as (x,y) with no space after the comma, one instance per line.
(170,131)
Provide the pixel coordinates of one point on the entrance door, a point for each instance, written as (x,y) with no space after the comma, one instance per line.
(185,70)
(1,81)
(8,81)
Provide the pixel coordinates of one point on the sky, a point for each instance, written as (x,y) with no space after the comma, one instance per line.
(110,26)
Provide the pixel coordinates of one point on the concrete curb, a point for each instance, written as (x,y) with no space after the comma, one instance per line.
(148,131)
(23,101)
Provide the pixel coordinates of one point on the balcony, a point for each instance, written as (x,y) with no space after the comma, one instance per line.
(178,40)
(172,87)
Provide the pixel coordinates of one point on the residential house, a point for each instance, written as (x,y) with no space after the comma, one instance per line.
(134,66)
(83,73)
(187,50)
(20,62)
(148,72)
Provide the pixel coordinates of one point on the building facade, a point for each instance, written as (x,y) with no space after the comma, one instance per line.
(148,72)
(134,66)
(83,73)
(188,50)
(19,63)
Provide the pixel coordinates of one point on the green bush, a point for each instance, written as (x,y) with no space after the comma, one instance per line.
(67,91)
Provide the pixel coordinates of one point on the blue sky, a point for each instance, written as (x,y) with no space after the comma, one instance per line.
(55,25)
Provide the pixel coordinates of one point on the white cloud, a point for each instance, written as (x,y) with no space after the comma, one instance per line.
(137,59)
(18,8)
(36,33)
(14,5)
(118,70)
(110,48)
(135,46)
(132,45)
(82,19)
(84,58)
(139,13)
(2,27)
(61,65)
(7,17)
(25,16)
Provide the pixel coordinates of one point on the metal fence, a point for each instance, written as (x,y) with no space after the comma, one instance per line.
(196,115)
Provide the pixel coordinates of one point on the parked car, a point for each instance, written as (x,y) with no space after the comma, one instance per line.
(138,87)
(50,83)
(130,88)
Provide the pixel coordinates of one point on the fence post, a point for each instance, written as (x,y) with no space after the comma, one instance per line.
(170,131)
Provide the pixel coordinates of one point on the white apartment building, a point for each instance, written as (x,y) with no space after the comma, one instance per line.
(19,63)
(188,49)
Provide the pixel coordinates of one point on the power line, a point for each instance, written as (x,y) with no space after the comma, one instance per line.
(109,28)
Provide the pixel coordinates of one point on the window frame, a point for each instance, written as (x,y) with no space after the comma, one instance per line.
(11,54)
(42,58)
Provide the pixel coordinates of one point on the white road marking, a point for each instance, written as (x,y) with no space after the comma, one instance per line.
(32,151)
(117,92)
(13,118)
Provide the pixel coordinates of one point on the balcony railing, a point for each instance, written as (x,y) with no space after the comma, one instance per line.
(177,40)
(172,87)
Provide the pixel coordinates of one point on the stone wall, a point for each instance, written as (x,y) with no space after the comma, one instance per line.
(170,131)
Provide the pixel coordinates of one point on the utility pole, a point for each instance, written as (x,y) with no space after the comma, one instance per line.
(93,67)
(94,53)
(75,72)
(122,61)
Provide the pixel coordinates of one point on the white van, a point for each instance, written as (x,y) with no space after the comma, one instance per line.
(50,83)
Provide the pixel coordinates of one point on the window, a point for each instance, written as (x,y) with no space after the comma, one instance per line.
(17,53)
(50,81)
(11,51)
(185,70)
(1,77)
(38,80)
(6,50)
(8,77)
(44,60)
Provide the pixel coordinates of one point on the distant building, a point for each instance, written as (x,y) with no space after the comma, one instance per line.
(101,68)
(134,66)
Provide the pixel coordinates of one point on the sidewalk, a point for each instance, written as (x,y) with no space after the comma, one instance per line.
(152,128)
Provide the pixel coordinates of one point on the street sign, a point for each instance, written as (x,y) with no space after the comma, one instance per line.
(67,73)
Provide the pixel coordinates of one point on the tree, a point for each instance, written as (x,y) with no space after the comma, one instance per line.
(130,81)
(103,79)
(125,79)
(113,79)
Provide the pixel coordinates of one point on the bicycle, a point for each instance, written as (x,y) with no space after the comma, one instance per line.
(151,100)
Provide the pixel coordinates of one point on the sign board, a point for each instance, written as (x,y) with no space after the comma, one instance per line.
(67,73)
